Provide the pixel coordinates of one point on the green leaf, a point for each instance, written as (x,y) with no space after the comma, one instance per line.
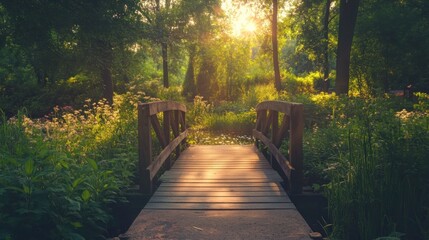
(26,189)
(93,164)
(77,182)
(76,224)
(86,195)
(29,167)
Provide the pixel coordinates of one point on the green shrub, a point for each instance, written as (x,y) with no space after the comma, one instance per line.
(60,175)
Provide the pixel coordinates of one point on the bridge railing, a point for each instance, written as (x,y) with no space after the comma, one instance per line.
(271,134)
(171,135)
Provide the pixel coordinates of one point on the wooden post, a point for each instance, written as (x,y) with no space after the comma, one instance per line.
(145,148)
(166,129)
(274,134)
(175,127)
(295,147)
(182,121)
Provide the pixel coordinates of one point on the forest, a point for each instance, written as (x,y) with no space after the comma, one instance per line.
(73,71)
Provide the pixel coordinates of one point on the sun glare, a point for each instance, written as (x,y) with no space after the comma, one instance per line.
(240,17)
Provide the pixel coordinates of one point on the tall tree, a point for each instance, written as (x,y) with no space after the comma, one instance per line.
(348,16)
(167,21)
(275,44)
(325,42)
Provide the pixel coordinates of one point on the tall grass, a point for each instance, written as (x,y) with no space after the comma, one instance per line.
(379,185)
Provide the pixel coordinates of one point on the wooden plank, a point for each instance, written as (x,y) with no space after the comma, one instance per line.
(220,167)
(226,164)
(220,189)
(221,172)
(220,194)
(220,157)
(220,180)
(220,163)
(219,206)
(223,178)
(225,175)
(217,184)
(211,199)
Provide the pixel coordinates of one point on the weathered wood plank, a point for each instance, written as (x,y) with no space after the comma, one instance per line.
(226,167)
(221,189)
(220,180)
(219,206)
(218,184)
(215,199)
(220,172)
(223,178)
(221,194)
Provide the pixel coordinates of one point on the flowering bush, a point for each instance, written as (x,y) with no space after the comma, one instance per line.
(59,174)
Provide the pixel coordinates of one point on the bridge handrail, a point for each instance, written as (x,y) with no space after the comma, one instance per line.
(173,122)
(269,132)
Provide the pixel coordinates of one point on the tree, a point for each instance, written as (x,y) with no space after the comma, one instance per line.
(347,22)
(189,87)
(277,80)
(167,22)
(325,42)
(66,38)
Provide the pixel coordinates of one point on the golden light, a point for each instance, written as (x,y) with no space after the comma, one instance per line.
(240,17)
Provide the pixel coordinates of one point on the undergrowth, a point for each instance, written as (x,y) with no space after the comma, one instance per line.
(61,174)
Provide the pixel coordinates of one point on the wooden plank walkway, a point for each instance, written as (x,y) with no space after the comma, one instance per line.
(213,188)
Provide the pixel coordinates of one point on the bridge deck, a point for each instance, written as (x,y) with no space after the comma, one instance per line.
(204,194)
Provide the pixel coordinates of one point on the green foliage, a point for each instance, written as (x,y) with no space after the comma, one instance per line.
(258,94)
(390,45)
(300,85)
(375,160)
(60,175)
(207,120)
(209,138)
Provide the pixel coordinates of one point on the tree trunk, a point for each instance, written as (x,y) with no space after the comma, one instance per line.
(189,87)
(164,64)
(277,80)
(106,76)
(106,60)
(326,83)
(348,16)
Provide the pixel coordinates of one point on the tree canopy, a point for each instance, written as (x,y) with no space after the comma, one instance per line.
(59,53)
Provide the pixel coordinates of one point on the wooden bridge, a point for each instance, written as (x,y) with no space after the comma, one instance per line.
(220,191)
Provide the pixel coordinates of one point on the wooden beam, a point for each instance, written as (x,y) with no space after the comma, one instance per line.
(283,162)
(284,128)
(159,161)
(157,128)
(162,106)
